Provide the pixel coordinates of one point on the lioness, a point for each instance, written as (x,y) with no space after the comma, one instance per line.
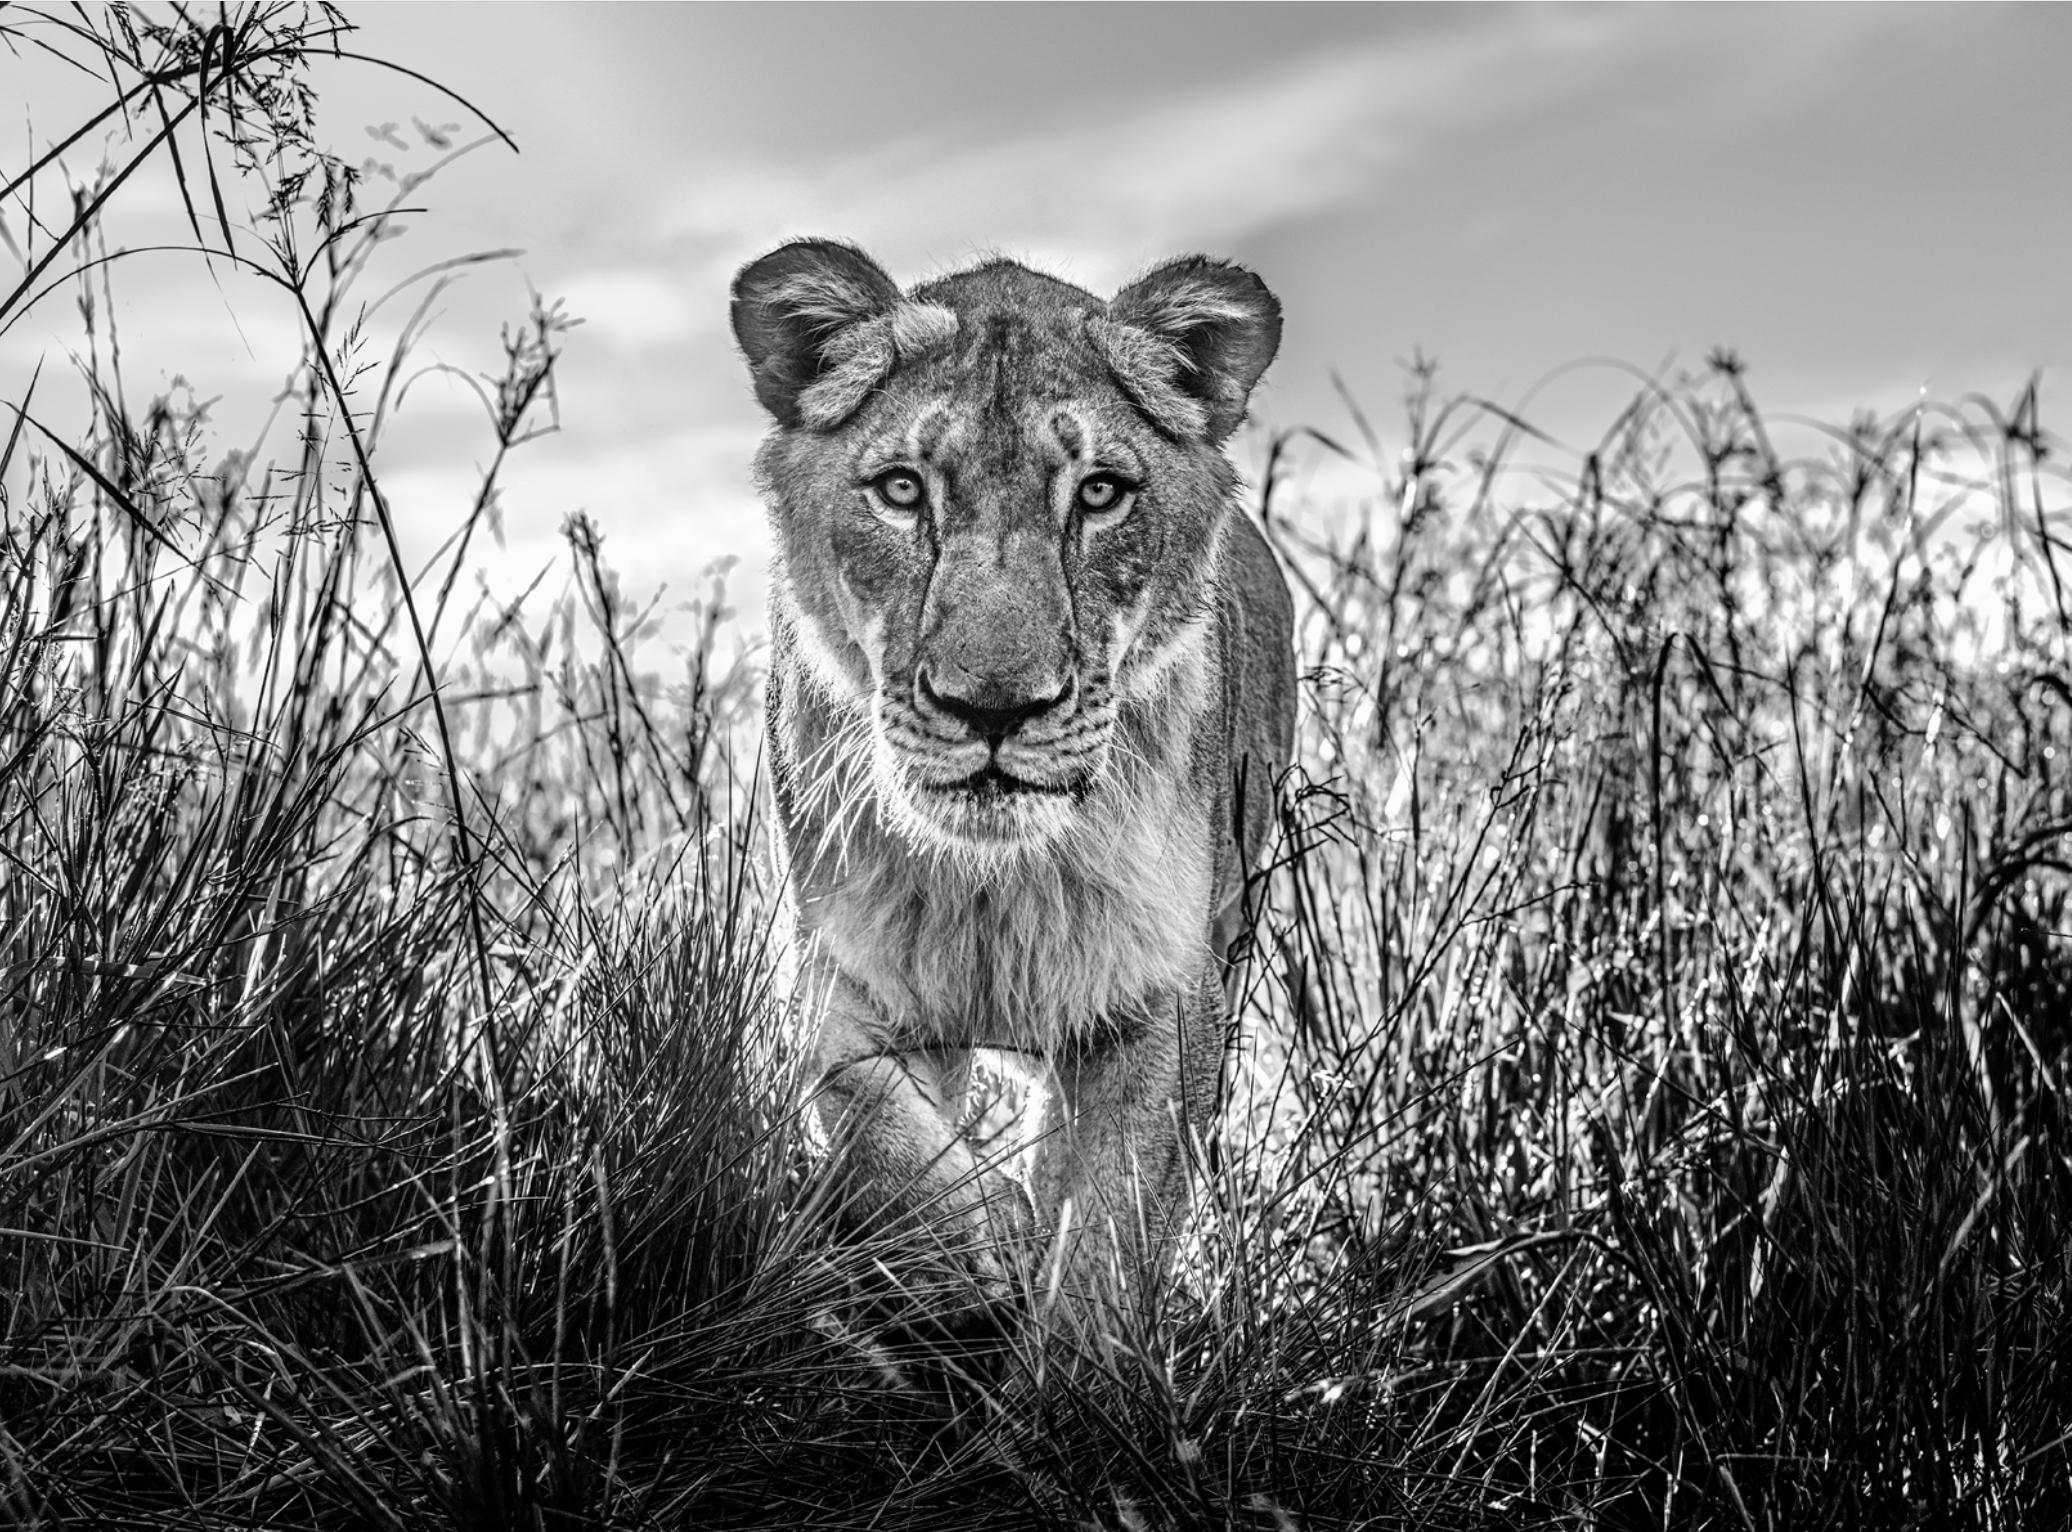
(1031,686)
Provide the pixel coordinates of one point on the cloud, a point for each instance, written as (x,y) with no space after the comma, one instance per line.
(633,309)
(668,505)
(1097,197)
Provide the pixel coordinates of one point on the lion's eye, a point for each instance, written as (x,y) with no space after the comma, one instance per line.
(1100,493)
(900,489)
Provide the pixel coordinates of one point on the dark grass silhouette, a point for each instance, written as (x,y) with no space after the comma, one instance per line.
(1647,1107)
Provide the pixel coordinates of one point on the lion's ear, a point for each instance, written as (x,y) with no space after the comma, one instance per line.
(791,310)
(1219,324)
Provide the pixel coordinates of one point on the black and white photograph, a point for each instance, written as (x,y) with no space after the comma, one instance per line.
(1140,767)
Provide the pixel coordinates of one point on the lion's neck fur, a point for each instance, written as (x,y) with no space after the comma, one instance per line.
(1024,950)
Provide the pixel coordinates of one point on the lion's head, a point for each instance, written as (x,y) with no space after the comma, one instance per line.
(997,502)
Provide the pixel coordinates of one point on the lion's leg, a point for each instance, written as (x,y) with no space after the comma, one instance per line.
(953,1079)
(891,1122)
(932,1304)
(1110,1172)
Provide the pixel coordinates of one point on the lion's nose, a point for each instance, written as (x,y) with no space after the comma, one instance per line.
(986,705)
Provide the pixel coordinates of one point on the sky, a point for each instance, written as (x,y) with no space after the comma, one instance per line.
(1863,201)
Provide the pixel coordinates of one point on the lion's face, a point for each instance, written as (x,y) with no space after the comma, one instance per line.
(996,503)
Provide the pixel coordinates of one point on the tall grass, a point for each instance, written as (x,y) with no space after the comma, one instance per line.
(1685,942)
(1647,1105)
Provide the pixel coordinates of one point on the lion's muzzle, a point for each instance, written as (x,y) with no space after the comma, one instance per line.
(995,657)
(991,707)
(990,741)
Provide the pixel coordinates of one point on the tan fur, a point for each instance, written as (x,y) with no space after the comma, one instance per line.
(1009,731)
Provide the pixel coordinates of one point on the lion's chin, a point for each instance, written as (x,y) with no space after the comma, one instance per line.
(990,815)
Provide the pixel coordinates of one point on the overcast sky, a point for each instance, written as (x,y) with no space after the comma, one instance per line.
(1863,200)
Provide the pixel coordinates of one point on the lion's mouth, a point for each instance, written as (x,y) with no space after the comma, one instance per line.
(992,784)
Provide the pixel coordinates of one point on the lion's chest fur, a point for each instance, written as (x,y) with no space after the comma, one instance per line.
(1027,954)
